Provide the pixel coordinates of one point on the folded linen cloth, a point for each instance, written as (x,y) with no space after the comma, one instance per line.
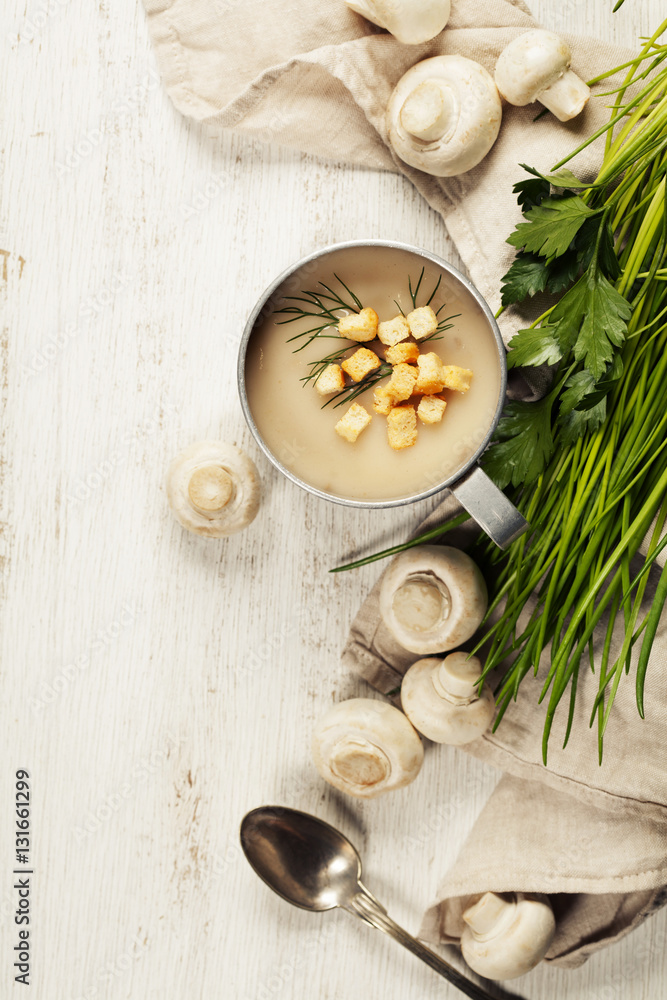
(317,78)
(597,834)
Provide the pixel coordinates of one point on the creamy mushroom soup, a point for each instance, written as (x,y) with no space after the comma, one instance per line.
(299,430)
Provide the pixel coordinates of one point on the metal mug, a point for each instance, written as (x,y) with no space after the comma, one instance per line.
(470,485)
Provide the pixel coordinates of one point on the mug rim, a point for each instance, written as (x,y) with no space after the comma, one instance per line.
(271,289)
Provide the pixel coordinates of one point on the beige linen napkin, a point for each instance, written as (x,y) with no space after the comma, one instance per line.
(597,834)
(317,77)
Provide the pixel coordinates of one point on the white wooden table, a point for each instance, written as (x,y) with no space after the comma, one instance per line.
(156,685)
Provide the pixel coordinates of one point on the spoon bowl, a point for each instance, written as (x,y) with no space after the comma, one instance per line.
(302,858)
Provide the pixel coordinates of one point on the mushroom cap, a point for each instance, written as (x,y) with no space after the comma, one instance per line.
(507,934)
(365,748)
(444,115)
(409,21)
(432,598)
(530,64)
(441,701)
(213,488)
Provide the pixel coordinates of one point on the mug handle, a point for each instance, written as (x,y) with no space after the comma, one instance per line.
(490,508)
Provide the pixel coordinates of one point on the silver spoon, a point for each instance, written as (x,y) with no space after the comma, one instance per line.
(312,865)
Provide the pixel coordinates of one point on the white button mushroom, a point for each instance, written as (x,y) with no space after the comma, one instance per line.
(213,489)
(365,747)
(535,66)
(441,699)
(444,115)
(409,21)
(432,599)
(507,935)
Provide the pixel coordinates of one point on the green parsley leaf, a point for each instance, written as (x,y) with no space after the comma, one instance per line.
(523,444)
(562,271)
(583,393)
(592,399)
(535,346)
(568,314)
(530,274)
(605,322)
(560,179)
(577,387)
(531,192)
(615,369)
(586,243)
(551,226)
(591,319)
(526,277)
(579,422)
(602,388)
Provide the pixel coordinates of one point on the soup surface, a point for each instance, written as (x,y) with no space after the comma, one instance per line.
(299,431)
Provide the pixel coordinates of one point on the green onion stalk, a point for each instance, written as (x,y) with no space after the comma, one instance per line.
(597,509)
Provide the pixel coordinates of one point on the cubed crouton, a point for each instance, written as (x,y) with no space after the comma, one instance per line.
(401,383)
(393,331)
(402,427)
(431,377)
(456,378)
(422,322)
(361,326)
(331,380)
(361,363)
(401,353)
(382,400)
(431,409)
(353,422)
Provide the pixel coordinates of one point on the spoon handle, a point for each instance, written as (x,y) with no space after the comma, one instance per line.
(367,908)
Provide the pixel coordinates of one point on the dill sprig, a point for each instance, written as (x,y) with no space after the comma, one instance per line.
(442,327)
(351,392)
(317,367)
(322,307)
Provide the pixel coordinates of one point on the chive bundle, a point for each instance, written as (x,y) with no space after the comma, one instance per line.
(600,494)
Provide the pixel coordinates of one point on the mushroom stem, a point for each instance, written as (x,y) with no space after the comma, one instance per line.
(359,762)
(422,602)
(489,915)
(429,112)
(567,97)
(210,488)
(443,701)
(213,489)
(457,678)
(432,598)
